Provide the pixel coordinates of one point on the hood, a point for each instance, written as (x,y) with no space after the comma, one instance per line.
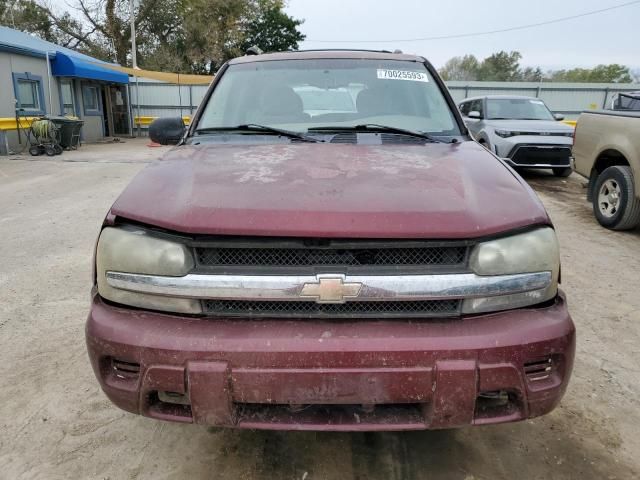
(324,190)
(531,125)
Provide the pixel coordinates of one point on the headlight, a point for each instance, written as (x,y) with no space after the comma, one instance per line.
(506,133)
(535,251)
(135,251)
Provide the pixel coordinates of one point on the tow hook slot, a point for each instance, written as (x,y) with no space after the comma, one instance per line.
(174,398)
(496,404)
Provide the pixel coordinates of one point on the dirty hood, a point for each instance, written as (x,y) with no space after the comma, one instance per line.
(320,190)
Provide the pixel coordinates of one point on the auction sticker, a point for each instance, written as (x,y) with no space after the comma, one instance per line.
(385,74)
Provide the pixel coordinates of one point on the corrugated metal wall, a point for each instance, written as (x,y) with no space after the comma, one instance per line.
(567,98)
(166,100)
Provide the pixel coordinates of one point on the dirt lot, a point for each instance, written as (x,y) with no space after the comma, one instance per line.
(56,423)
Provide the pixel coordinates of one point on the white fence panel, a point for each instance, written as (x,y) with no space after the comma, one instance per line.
(155,99)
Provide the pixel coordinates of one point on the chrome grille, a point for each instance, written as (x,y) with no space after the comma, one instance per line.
(403,309)
(277,256)
(295,257)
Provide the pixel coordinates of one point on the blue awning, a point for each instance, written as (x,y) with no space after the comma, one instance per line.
(69,66)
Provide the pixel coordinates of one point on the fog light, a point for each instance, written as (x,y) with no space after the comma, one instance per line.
(124,369)
(539,369)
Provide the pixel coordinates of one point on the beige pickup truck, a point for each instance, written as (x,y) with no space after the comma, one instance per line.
(607,151)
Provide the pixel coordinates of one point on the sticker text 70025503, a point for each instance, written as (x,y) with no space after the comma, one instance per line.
(385,74)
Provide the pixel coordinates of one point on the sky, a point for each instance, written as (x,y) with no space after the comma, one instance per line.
(606,37)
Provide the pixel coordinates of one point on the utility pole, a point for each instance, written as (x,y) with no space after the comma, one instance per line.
(49,82)
(134,58)
(134,61)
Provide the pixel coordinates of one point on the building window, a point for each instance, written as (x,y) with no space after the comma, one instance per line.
(67,97)
(29,94)
(91,100)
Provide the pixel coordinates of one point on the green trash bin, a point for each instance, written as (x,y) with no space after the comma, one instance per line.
(69,131)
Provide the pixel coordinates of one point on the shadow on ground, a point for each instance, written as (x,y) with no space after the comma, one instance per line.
(560,447)
(571,192)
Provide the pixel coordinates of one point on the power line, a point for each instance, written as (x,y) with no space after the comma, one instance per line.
(488,32)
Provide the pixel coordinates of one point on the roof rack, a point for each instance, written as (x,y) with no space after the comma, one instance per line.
(254,50)
(343,50)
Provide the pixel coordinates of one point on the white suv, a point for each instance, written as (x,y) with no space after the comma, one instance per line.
(521,130)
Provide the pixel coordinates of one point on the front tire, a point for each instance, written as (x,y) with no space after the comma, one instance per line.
(562,172)
(615,204)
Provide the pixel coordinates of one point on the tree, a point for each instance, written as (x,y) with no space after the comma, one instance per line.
(195,36)
(218,30)
(101,31)
(502,66)
(530,74)
(30,17)
(160,41)
(461,68)
(613,73)
(270,28)
(505,67)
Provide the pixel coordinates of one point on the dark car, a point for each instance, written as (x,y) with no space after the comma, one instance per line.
(328,249)
(626,101)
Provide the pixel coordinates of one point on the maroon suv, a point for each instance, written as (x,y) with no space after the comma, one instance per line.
(328,249)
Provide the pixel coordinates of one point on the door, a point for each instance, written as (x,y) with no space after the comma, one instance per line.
(475,124)
(106,114)
(119,110)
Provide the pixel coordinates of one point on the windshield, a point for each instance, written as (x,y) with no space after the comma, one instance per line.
(628,102)
(517,109)
(298,95)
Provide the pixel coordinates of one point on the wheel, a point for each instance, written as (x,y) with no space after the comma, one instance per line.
(34,150)
(49,150)
(58,149)
(562,172)
(615,204)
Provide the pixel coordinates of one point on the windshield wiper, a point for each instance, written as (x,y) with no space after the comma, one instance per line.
(374,127)
(254,127)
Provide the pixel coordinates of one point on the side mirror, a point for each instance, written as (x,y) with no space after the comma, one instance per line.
(167,131)
(558,116)
(475,115)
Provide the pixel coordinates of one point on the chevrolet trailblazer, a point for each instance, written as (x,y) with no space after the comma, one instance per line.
(326,248)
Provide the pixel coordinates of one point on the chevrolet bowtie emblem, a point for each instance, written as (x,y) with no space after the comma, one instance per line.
(330,289)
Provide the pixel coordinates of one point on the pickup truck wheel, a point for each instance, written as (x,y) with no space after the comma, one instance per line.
(562,172)
(615,204)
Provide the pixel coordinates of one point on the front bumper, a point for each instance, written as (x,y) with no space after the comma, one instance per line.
(535,152)
(326,375)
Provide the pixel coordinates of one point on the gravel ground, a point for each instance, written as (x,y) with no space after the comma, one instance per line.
(56,424)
